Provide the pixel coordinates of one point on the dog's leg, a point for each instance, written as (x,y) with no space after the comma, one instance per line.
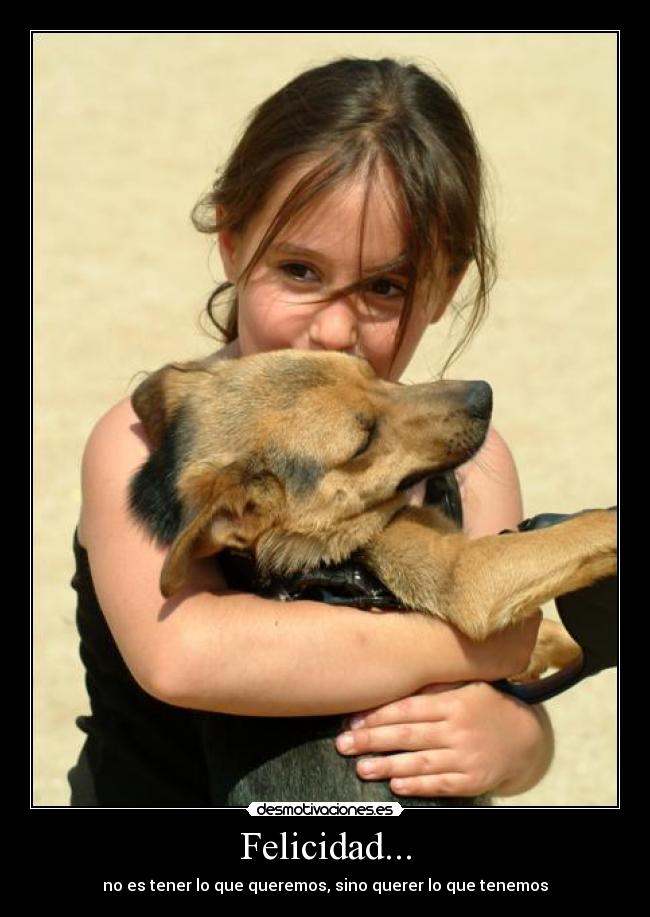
(486,584)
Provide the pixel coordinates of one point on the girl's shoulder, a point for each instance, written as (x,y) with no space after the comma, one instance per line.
(119,417)
(114,450)
(489,488)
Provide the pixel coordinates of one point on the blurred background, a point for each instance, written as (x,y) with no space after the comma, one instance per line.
(128,131)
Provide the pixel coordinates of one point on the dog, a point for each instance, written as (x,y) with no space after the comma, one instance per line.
(302,459)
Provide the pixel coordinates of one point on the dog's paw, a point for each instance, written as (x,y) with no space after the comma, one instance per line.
(554,649)
(535,670)
(598,533)
(605,526)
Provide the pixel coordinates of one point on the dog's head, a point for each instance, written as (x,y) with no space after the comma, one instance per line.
(299,457)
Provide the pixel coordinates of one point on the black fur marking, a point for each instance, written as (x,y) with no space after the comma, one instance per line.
(152,492)
(300,474)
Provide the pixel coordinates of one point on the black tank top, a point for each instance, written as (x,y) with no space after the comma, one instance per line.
(141,752)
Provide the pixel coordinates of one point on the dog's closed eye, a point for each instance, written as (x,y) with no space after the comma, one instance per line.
(370,430)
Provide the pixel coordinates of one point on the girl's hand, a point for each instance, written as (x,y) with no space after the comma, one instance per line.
(454,740)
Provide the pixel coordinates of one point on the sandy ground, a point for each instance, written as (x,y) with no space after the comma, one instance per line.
(128,130)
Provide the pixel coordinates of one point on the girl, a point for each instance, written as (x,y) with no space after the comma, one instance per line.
(347,216)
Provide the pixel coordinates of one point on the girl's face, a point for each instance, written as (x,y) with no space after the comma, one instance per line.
(318,252)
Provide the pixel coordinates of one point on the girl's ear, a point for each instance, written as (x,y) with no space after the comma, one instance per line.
(227,248)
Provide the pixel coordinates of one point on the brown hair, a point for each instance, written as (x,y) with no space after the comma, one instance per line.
(351,114)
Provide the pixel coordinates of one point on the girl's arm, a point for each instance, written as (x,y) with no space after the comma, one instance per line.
(213,650)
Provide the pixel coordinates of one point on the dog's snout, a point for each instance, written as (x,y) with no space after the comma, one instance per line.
(479,400)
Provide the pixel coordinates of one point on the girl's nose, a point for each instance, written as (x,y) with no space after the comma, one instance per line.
(335,326)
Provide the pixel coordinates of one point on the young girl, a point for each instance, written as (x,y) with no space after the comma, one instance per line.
(347,215)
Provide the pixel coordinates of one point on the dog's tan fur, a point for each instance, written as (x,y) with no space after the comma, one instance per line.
(298,458)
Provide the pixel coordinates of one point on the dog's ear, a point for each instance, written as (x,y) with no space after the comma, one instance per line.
(157,397)
(223,508)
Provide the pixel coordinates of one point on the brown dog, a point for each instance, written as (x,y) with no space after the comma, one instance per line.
(303,458)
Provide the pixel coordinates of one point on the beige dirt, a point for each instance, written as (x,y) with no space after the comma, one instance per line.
(128,130)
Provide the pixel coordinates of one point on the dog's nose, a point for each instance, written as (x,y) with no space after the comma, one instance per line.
(479,400)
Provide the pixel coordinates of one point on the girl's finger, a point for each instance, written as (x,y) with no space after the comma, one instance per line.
(409,764)
(404,736)
(448,784)
(414,709)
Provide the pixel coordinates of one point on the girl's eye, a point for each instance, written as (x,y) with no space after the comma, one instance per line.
(297,271)
(383,287)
